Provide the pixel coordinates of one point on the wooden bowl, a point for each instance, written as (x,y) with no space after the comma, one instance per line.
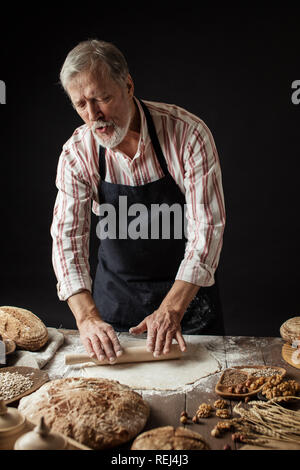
(10,346)
(221,389)
(37,376)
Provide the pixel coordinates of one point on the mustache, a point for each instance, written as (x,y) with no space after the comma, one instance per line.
(101,123)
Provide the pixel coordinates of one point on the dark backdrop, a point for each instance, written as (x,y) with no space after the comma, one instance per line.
(234,69)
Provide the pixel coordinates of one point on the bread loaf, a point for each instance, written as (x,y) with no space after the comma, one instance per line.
(98,413)
(290,330)
(23,327)
(169,438)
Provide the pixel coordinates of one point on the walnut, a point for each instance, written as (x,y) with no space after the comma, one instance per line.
(204,411)
(224,414)
(224,426)
(220,404)
(277,387)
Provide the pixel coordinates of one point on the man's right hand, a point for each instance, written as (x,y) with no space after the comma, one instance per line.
(99,339)
(97,336)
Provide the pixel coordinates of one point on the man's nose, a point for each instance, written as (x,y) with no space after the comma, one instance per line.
(94,111)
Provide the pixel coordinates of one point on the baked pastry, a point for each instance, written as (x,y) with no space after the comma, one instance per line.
(290,330)
(23,327)
(98,413)
(169,438)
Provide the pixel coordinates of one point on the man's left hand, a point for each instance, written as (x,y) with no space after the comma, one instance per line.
(162,326)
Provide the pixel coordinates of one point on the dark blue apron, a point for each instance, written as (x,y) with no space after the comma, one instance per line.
(134,275)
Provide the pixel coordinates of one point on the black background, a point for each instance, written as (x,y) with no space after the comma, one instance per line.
(233,68)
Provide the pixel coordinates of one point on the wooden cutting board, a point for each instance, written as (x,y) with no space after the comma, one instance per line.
(287,353)
(37,376)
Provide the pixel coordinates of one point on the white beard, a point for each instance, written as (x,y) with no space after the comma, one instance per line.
(116,138)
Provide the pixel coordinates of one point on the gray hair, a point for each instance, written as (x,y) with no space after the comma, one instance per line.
(91,55)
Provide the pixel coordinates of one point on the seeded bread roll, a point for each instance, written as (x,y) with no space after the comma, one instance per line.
(98,413)
(23,327)
(169,438)
(290,330)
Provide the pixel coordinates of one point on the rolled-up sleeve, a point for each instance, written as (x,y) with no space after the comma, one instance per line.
(205,209)
(70,228)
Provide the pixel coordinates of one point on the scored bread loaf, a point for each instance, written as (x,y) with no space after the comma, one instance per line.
(290,330)
(23,327)
(169,438)
(98,413)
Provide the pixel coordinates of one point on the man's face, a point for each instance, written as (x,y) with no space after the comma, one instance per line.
(104,105)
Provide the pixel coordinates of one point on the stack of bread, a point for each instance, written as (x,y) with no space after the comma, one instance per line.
(23,327)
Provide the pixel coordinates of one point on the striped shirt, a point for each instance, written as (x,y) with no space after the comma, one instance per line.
(193,162)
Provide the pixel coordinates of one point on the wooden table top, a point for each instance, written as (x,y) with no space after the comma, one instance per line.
(230,351)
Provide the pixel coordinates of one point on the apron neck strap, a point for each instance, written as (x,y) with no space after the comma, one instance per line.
(155,142)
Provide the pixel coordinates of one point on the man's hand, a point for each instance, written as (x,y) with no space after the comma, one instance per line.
(98,337)
(162,326)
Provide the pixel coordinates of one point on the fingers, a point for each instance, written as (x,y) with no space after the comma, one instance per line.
(97,348)
(151,339)
(115,342)
(168,342)
(140,328)
(180,341)
(159,340)
(103,344)
(88,346)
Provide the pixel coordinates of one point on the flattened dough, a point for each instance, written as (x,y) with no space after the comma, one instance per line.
(174,374)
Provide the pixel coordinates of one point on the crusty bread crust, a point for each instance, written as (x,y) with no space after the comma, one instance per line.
(290,330)
(98,413)
(23,327)
(169,438)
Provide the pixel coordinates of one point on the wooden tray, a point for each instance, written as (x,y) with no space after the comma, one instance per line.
(221,389)
(37,376)
(287,353)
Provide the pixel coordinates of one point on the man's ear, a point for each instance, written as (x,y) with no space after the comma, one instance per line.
(130,86)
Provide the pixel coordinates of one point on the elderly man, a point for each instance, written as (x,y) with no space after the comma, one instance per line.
(131,152)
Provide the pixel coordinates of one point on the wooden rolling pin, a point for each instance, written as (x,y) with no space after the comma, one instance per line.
(130,354)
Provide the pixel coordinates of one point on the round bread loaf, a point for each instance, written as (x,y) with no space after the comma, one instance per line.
(98,413)
(290,330)
(169,438)
(23,327)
